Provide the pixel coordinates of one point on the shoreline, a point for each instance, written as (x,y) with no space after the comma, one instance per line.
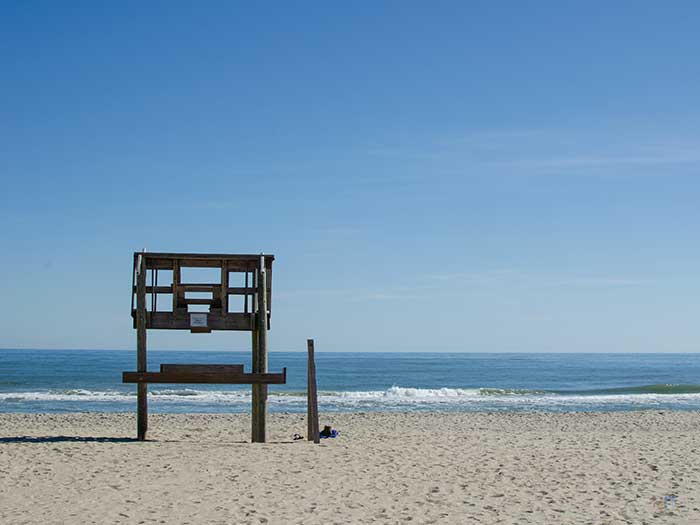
(386,467)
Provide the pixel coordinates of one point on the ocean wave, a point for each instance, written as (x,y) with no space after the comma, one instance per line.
(391,398)
(398,392)
(512,392)
(642,389)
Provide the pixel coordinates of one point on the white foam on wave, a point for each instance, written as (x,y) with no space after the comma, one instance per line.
(113,396)
(408,393)
(67,395)
(394,397)
(474,398)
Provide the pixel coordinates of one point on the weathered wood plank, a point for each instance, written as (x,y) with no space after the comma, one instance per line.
(223,293)
(268,285)
(197,300)
(239,290)
(133,284)
(167,264)
(153,294)
(245,295)
(312,406)
(254,257)
(200,287)
(157,289)
(176,285)
(201,368)
(262,316)
(177,321)
(235,263)
(218,378)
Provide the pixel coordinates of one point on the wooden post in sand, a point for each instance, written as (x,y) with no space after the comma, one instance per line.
(259,391)
(142,389)
(312,396)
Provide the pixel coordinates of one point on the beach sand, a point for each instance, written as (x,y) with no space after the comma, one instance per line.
(384,468)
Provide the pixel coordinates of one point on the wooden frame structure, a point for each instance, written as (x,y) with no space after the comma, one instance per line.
(254,317)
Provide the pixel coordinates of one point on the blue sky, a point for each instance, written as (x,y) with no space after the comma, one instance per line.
(431,176)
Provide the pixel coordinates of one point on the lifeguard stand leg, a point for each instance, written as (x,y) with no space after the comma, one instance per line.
(142,388)
(259,391)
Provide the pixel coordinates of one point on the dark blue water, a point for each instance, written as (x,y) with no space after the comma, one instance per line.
(90,380)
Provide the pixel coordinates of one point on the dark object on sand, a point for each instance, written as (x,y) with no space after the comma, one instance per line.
(328,432)
(297,437)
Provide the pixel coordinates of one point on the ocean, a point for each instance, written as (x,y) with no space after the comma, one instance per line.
(90,380)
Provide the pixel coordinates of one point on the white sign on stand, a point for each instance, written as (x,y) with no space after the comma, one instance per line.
(198,320)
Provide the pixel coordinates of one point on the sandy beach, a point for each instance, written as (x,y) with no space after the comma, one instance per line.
(384,468)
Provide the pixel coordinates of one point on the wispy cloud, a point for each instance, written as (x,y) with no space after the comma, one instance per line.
(498,137)
(340,230)
(590,161)
(605,282)
(607,147)
(459,283)
(362,294)
(516,278)
(485,277)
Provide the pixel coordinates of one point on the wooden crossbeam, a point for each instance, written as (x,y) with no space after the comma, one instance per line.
(215,321)
(251,257)
(231,290)
(198,300)
(234,262)
(203,368)
(219,378)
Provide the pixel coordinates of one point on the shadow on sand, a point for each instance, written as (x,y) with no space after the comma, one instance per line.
(64,439)
(90,439)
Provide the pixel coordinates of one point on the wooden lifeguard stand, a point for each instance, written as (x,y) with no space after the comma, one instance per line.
(254,317)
